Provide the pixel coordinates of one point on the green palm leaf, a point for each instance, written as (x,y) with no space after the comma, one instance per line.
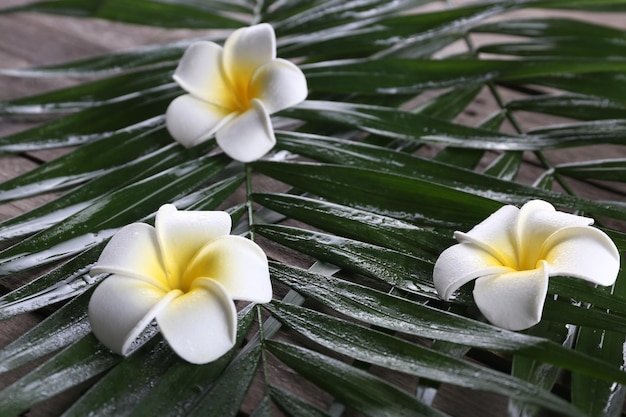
(369,178)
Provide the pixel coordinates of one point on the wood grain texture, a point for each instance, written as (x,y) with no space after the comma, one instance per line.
(31,39)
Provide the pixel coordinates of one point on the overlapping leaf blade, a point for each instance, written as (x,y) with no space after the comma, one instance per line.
(100,220)
(384,350)
(188,14)
(77,363)
(360,390)
(374,201)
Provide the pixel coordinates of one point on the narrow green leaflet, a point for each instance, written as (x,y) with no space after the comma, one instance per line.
(575,106)
(579,290)
(65,281)
(561,48)
(345,152)
(556,38)
(81,197)
(445,106)
(553,27)
(77,363)
(333,13)
(357,224)
(391,123)
(397,76)
(136,385)
(601,398)
(100,220)
(506,166)
(449,104)
(382,33)
(410,199)
(539,373)
(109,64)
(607,170)
(591,317)
(383,350)
(355,388)
(399,314)
(590,132)
(607,85)
(66,325)
(87,125)
(264,409)
(211,197)
(390,266)
(92,160)
(288,8)
(187,14)
(229,391)
(293,405)
(469,158)
(127,382)
(597,5)
(93,94)
(183,384)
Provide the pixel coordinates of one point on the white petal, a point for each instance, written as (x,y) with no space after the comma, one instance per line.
(248,136)
(191,121)
(538,220)
(121,307)
(200,325)
(279,84)
(513,301)
(496,235)
(238,264)
(133,252)
(183,233)
(246,50)
(582,252)
(199,72)
(461,263)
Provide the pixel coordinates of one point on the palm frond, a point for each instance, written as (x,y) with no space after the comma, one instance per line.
(369,178)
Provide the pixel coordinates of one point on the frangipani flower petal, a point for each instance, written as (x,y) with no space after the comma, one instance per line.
(121,308)
(200,325)
(182,233)
(495,234)
(185,272)
(279,84)
(232,91)
(133,252)
(544,243)
(537,220)
(462,263)
(582,252)
(248,136)
(200,73)
(192,121)
(513,301)
(238,264)
(246,50)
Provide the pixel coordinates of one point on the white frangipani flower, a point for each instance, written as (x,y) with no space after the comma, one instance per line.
(185,272)
(232,91)
(512,253)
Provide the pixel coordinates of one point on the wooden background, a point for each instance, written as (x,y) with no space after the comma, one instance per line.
(31,39)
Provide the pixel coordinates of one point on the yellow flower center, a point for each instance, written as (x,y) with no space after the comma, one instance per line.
(242,91)
(526,257)
(203,264)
